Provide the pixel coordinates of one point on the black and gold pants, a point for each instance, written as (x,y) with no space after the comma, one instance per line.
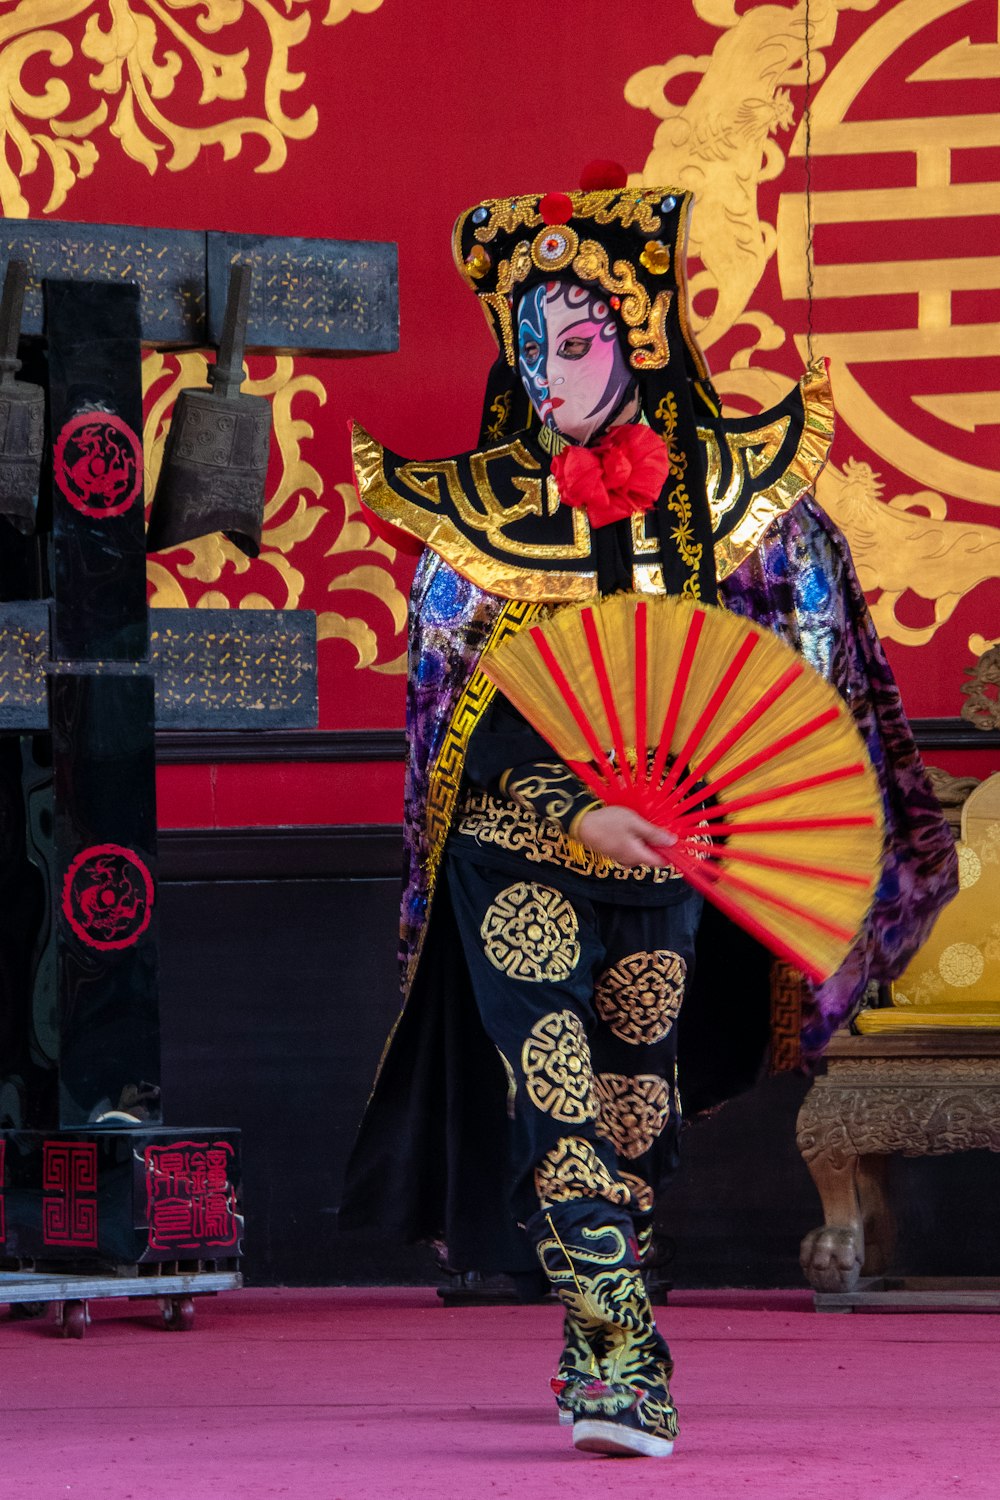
(580,998)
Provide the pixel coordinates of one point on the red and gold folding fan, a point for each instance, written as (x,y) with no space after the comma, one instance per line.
(722,734)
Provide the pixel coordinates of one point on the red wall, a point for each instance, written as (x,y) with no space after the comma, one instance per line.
(421,111)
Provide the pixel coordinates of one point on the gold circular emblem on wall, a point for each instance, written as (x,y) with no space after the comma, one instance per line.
(631,1112)
(640,996)
(530,933)
(555,1061)
(961,964)
(970,867)
(573,1169)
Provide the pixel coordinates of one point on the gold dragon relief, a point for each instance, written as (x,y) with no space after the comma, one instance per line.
(732,135)
(164,78)
(313,545)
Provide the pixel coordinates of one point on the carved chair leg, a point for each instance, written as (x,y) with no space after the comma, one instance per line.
(832,1255)
(876,1214)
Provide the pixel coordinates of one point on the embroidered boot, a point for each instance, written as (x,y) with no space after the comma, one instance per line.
(588,1253)
(579,1363)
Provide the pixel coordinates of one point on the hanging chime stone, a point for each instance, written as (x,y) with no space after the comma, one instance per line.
(215,457)
(22,412)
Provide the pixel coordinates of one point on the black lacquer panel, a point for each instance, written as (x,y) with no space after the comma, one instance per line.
(97,470)
(309,296)
(105,845)
(167,264)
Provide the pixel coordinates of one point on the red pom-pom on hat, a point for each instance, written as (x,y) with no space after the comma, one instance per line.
(556,208)
(598,176)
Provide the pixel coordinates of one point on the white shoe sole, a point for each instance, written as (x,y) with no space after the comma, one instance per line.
(591,1435)
(565,1418)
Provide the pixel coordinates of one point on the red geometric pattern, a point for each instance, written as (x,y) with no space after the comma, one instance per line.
(69,1181)
(190,1202)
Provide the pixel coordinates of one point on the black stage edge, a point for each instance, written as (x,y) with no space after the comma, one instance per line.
(175,747)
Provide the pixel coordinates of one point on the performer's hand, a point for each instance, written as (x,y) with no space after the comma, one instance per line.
(624,835)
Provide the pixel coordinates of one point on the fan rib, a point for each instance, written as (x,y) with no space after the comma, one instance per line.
(769,794)
(572,702)
(677,692)
(695,874)
(722,851)
(607,696)
(707,716)
(641,666)
(780,903)
(769,752)
(697,771)
(600,786)
(785,825)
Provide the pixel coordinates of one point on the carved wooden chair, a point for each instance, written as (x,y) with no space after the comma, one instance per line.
(918,1074)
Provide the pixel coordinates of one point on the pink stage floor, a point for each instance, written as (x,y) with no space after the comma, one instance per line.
(348,1394)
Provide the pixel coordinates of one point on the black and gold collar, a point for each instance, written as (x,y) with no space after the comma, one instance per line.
(495,515)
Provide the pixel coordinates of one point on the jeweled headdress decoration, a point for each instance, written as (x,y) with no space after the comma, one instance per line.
(629,241)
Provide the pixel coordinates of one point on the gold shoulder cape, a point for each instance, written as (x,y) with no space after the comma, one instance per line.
(496,517)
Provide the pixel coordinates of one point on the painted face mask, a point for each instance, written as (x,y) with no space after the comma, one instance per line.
(570,359)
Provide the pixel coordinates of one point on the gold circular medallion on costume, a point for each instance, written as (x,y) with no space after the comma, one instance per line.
(573,1169)
(642,1195)
(554,247)
(530,933)
(631,1112)
(640,996)
(961,964)
(555,1061)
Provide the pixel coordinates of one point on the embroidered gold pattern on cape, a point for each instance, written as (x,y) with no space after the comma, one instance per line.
(555,1060)
(640,996)
(530,933)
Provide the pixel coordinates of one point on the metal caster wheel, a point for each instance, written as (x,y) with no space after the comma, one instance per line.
(74,1320)
(178,1314)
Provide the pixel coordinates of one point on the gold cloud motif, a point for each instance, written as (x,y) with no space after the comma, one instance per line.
(210,573)
(146,55)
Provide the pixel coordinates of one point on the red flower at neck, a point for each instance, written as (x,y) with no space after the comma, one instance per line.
(619,475)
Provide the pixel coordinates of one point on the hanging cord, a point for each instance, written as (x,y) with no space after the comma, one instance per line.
(807,123)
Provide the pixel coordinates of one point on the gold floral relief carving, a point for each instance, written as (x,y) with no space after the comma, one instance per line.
(730,136)
(312,545)
(70,67)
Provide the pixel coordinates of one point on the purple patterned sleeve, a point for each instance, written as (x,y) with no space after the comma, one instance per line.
(801,583)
